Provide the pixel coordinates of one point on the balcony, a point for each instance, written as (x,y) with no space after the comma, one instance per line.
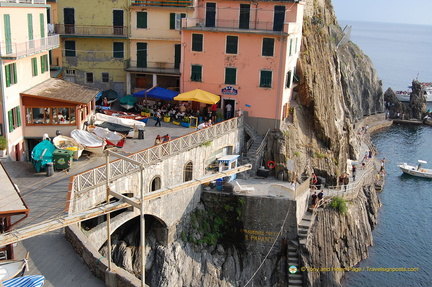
(227,25)
(152,67)
(24,1)
(91,31)
(11,50)
(162,3)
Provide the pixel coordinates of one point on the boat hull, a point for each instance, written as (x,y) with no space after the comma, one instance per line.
(67,143)
(412,170)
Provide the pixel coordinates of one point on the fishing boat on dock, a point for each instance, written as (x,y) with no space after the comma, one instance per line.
(90,141)
(68,143)
(416,170)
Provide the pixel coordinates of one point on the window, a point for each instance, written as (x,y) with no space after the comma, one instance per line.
(70,49)
(42,24)
(230,76)
(14,116)
(142,20)
(118,49)
(7,31)
(43,116)
(105,77)
(188,172)
(265,79)
(175,20)
(11,74)
(196,73)
(89,78)
(268,47)
(197,42)
(34,67)
(288,79)
(44,63)
(290,47)
(30,26)
(231,44)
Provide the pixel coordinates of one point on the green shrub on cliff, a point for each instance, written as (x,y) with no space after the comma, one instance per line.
(339,204)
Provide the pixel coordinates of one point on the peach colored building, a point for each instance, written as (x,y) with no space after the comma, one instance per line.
(246,52)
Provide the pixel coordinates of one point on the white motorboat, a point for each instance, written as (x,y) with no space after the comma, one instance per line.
(416,170)
(90,141)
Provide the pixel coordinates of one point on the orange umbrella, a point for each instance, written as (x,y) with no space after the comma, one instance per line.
(198,96)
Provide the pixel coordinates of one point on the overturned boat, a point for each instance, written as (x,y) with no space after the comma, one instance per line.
(90,141)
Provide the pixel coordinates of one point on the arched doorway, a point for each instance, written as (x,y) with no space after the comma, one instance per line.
(188,171)
(155,183)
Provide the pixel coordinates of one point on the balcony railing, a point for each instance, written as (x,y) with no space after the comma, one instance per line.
(159,67)
(91,30)
(235,25)
(23,49)
(24,1)
(162,3)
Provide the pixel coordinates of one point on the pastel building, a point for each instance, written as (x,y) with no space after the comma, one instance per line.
(24,47)
(155,43)
(94,42)
(246,52)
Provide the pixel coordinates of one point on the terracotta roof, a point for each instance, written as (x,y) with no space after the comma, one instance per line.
(61,90)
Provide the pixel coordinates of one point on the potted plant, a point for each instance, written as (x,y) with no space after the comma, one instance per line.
(219,116)
(167,118)
(186,122)
(3,146)
(145,112)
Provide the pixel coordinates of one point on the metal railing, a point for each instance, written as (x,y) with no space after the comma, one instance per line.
(97,176)
(162,3)
(91,30)
(23,49)
(154,66)
(232,24)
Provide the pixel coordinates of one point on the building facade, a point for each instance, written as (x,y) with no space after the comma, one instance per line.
(246,52)
(24,47)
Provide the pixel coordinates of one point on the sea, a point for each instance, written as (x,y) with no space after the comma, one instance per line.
(402,251)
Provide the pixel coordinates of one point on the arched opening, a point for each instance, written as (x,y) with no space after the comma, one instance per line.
(188,171)
(155,183)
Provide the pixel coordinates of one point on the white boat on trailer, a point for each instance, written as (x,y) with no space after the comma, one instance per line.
(416,170)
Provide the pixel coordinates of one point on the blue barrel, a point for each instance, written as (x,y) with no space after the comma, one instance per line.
(219,183)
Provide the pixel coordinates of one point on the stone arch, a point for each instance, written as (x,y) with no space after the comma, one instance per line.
(188,171)
(155,183)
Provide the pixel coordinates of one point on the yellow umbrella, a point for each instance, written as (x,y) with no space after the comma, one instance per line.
(198,96)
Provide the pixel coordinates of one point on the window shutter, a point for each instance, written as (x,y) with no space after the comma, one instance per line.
(230,76)
(8,38)
(172,21)
(7,72)
(18,113)
(141,19)
(197,42)
(30,26)
(10,117)
(15,73)
(42,64)
(42,25)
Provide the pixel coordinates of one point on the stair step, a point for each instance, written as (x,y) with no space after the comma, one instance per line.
(295,283)
(292,254)
(295,276)
(302,241)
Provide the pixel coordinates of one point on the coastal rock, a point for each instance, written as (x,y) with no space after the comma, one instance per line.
(414,109)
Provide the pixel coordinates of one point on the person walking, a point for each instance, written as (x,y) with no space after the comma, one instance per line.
(228,108)
(158,118)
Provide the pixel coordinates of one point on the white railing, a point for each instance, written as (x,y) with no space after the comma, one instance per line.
(97,176)
(23,49)
(24,1)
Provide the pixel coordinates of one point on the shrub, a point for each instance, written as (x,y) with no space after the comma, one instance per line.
(339,204)
(3,143)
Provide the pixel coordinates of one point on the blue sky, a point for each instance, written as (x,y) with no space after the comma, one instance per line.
(390,11)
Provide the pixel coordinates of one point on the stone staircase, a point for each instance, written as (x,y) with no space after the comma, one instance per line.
(252,155)
(304,225)
(295,279)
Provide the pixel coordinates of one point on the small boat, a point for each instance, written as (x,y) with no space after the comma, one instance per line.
(417,170)
(112,137)
(25,281)
(42,154)
(404,96)
(126,115)
(90,141)
(13,268)
(68,143)
(128,102)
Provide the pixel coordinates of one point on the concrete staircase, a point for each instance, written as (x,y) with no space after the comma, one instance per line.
(296,279)
(304,225)
(252,156)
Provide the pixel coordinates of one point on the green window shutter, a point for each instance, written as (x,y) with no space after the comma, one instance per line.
(18,113)
(8,38)
(30,26)
(141,19)
(42,25)
(10,117)
(265,79)
(230,76)
(7,73)
(197,42)
(70,49)
(35,69)
(290,47)
(232,45)
(268,47)
(118,48)
(172,21)
(196,75)
(42,64)
(15,73)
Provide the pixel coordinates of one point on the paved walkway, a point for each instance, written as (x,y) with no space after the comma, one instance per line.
(50,254)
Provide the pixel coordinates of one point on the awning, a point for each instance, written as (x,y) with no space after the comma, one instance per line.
(158,93)
(198,96)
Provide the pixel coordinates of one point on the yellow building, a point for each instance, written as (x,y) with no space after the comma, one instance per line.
(94,42)
(24,46)
(155,43)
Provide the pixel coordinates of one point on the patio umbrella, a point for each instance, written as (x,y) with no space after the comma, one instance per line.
(198,96)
